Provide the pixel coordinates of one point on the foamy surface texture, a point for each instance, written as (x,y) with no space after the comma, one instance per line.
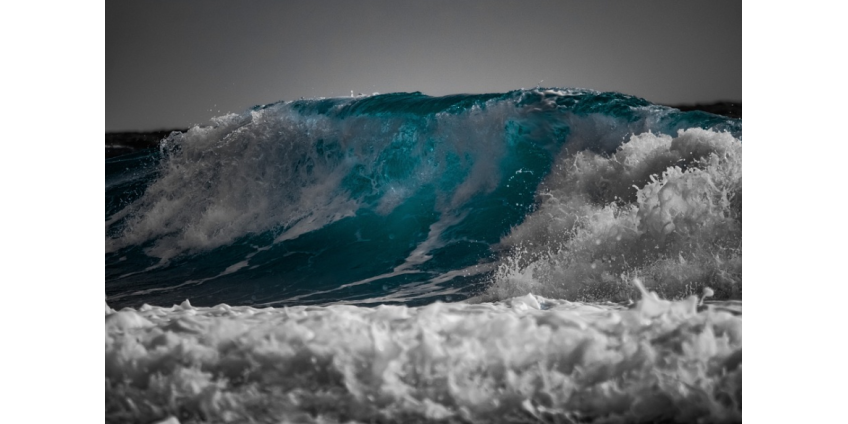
(526,359)
(667,210)
(345,227)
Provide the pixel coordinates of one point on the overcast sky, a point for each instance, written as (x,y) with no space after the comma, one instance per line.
(172,64)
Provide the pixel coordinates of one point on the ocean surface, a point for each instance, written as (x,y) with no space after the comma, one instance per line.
(543,255)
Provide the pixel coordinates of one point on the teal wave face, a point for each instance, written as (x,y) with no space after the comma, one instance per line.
(388,198)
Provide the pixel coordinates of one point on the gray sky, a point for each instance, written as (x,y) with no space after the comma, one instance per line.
(171,64)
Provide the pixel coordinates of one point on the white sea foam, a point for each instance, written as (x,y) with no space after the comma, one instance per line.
(668,210)
(525,359)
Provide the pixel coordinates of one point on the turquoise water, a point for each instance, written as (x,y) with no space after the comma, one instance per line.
(400,197)
(545,255)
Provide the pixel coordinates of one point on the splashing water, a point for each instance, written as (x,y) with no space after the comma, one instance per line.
(578,234)
(666,209)
(409,199)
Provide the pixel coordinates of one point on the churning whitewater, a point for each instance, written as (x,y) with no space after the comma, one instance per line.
(406,258)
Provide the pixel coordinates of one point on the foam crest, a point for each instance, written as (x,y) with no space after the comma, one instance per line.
(668,210)
(525,359)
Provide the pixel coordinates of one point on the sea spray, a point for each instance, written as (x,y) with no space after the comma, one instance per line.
(541,255)
(667,209)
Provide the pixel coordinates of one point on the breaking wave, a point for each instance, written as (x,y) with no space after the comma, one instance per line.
(540,255)
(405,198)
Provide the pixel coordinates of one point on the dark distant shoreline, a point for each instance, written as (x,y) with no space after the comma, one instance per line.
(728,109)
(120,143)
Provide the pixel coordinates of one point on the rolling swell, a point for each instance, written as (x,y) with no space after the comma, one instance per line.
(409,198)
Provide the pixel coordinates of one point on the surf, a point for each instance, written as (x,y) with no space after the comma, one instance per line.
(408,199)
(525,359)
